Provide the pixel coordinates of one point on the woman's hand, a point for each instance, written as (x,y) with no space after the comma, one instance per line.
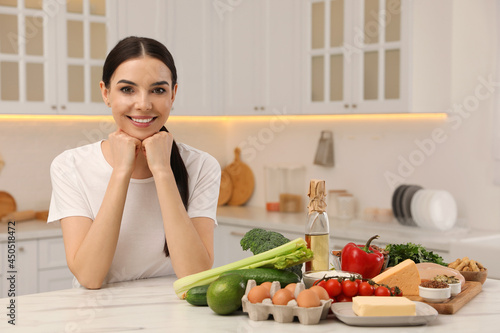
(124,149)
(157,149)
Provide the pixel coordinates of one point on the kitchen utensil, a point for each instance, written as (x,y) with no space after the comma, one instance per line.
(42,215)
(324,152)
(19,216)
(7,204)
(226,188)
(242,179)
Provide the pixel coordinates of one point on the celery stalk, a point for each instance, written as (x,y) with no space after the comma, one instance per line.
(292,253)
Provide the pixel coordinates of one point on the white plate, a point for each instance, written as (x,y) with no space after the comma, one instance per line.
(442,210)
(415,208)
(425,314)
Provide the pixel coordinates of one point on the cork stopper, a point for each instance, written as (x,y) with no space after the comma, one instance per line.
(316,196)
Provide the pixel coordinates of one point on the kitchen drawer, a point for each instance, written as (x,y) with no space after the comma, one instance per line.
(51,253)
(54,279)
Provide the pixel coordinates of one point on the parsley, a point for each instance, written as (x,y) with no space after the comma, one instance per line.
(415,252)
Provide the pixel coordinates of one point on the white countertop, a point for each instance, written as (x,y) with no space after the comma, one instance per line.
(151,305)
(391,232)
(32,229)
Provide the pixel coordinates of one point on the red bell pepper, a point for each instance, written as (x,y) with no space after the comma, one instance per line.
(362,259)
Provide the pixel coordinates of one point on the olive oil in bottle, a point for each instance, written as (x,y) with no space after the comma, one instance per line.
(317,229)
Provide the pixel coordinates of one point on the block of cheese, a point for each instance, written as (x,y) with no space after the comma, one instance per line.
(404,275)
(376,306)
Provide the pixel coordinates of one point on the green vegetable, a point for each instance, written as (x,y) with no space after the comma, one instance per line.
(259,240)
(415,252)
(197,295)
(261,275)
(287,255)
(224,294)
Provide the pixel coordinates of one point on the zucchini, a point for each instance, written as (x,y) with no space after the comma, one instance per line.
(261,275)
(197,295)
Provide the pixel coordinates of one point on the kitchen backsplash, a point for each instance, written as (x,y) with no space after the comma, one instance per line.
(371,156)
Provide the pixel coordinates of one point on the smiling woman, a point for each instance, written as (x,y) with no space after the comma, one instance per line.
(122,200)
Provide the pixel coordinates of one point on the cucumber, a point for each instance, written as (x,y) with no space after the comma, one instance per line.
(198,295)
(261,275)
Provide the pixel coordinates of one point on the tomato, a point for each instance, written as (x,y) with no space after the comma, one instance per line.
(395,291)
(382,291)
(333,287)
(365,289)
(349,288)
(358,282)
(320,283)
(343,298)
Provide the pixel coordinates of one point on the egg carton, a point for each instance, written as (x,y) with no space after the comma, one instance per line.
(283,313)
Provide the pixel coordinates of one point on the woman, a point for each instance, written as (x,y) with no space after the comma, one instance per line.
(136,205)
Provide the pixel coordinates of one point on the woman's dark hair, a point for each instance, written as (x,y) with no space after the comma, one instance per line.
(137,47)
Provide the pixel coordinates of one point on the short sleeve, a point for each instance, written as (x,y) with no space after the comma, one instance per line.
(205,192)
(67,196)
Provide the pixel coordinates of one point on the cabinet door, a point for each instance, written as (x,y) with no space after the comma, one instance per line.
(3,269)
(227,246)
(51,55)
(262,57)
(27,55)
(27,267)
(357,56)
(54,279)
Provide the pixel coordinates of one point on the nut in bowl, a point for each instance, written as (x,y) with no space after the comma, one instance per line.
(471,270)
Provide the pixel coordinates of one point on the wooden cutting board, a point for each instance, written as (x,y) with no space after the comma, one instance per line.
(452,305)
(242,180)
(226,188)
(7,204)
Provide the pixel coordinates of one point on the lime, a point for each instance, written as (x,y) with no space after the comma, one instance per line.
(224,294)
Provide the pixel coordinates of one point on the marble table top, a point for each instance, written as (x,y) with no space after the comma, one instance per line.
(152,306)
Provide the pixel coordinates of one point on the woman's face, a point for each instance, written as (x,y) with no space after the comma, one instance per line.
(140,95)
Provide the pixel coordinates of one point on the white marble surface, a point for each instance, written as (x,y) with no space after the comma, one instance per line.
(151,305)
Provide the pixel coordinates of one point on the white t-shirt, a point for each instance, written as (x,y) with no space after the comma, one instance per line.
(80,177)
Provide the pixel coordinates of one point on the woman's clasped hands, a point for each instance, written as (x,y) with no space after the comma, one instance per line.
(125,149)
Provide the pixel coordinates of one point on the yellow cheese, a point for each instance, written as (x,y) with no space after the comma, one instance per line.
(404,275)
(375,306)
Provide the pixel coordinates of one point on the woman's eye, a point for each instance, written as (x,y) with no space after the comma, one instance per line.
(126,90)
(159,90)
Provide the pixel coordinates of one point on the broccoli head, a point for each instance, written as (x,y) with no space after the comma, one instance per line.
(259,240)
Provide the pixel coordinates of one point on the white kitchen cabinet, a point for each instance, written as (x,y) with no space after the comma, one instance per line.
(40,265)
(261,57)
(51,55)
(377,56)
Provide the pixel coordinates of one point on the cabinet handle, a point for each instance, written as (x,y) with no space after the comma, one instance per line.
(256,108)
(262,108)
(53,107)
(21,249)
(236,233)
(354,106)
(346,106)
(63,107)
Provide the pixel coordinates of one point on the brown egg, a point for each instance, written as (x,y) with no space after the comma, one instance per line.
(321,292)
(308,299)
(258,294)
(291,287)
(282,297)
(267,285)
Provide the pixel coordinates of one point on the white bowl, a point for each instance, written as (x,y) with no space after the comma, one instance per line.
(434,295)
(455,288)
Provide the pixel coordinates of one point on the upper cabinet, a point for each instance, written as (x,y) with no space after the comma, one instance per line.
(376,56)
(51,55)
(262,43)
